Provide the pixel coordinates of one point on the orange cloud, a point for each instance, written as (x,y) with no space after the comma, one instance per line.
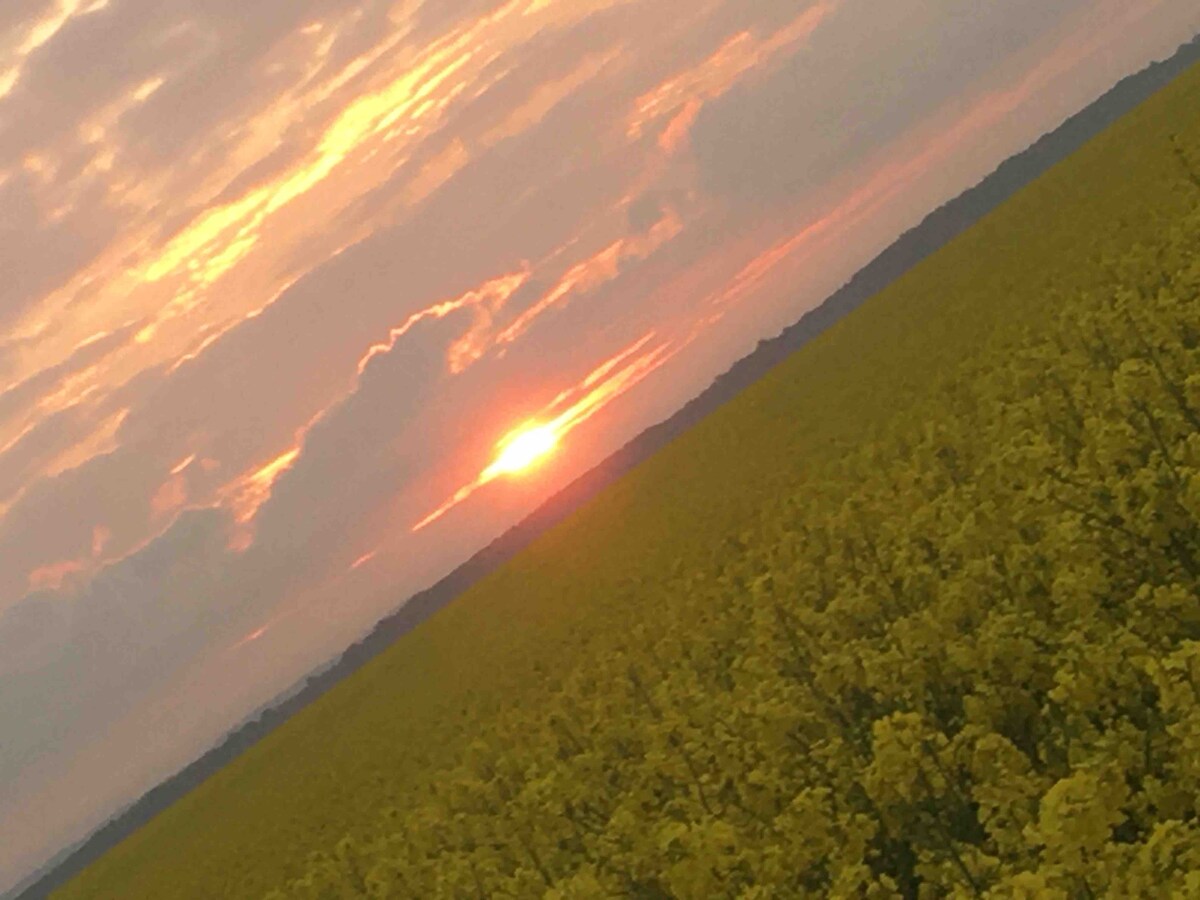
(391,98)
(596,270)
(100,538)
(714,76)
(548,96)
(252,636)
(488,297)
(362,560)
(17,437)
(437,172)
(675,135)
(246,495)
(384,102)
(55,575)
(221,237)
(400,113)
(183,464)
(102,439)
(41,31)
(170,496)
(204,344)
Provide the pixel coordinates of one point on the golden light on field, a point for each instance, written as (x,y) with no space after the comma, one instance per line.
(523,449)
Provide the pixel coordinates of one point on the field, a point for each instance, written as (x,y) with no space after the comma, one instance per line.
(915,615)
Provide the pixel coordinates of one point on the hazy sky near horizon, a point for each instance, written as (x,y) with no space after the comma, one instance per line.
(277,277)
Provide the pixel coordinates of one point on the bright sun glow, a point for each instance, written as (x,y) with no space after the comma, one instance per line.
(525,446)
(523,450)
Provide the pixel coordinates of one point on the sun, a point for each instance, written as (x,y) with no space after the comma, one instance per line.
(523,450)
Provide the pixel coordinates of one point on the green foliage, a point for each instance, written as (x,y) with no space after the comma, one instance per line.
(923,625)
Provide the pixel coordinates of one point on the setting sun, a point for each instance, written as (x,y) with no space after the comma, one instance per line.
(523,450)
(529,443)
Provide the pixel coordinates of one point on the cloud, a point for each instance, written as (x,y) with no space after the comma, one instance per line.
(866,76)
(241,401)
(651,207)
(357,458)
(436,18)
(21,461)
(53,520)
(37,253)
(76,476)
(33,632)
(27,391)
(208,52)
(20,13)
(86,656)
(291,146)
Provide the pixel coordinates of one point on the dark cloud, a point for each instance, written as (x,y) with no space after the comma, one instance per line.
(248,392)
(51,100)
(293,144)
(27,391)
(357,458)
(209,51)
(647,209)
(48,438)
(518,200)
(372,23)
(37,255)
(33,633)
(54,519)
(86,657)
(110,490)
(866,76)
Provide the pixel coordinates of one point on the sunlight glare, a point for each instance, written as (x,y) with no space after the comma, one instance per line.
(523,450)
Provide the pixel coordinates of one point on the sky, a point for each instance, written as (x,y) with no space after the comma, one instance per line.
(302,303)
